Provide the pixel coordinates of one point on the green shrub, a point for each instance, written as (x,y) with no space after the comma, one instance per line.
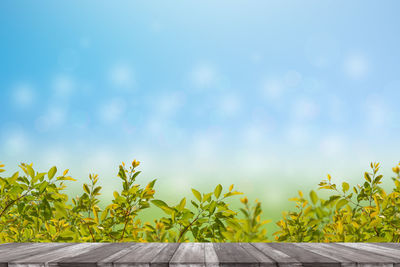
(34,209)
(361,213)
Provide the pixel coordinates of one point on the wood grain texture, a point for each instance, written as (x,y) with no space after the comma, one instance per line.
(140,255)
(88,256)
(28,250)
(49,257)
(373,253)
(327,251)
(163,258)
(263,260)
(199,254)
(389,245)
(109,260)
(363,258)
(11,246)
(306,257)
(232,254)
(278,256)
(189,254)
(211,258)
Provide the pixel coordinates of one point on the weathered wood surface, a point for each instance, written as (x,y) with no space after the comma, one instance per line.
(198,254)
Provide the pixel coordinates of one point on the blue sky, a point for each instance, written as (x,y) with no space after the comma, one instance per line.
(269,95)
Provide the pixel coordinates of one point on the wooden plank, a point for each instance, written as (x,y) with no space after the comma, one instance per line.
(108,261)
(163,258)
(385,251)
(91,255)
(51,258)
(232,254)
(326,251)
(363,258)
(211,258)
(282,258)
(10,246)
(389,245)
(28,250)
(189,254)
(262,259)
(34,259)
(23,246)
(391,254)
(140,255)
(306,257)
(199,254)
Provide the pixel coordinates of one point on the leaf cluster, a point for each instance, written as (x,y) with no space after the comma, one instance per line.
(33,208)
(359,213)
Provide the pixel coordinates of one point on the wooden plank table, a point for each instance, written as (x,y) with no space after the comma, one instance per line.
(198,254)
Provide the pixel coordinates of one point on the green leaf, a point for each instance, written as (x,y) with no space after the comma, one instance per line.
(234,193)
(52,172)
(314,197)
(377,179)
(159,203)
(97,190)
(194,204)
(15,177)
(104,214)
(217,191)
(168,210)
(60,208)
(135,174)
(196,194)
(39,176)
(65,178)
(30,170)
(182,204)
(212,207)
(151,184)
(121,173)
(367,177)
(341,203)
(207,197)
(86,188)
(377,239)
(345,187)
(43,186)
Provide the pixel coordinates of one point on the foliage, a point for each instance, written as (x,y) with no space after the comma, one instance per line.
(248,229)
(34,209)
(366,213)
(206,223)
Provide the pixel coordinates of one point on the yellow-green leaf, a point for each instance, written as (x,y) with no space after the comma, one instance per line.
(30,170)
(52,172)
(341,203)
(196,194)
(86,188)
(104,214)
(345,187)
(217,191)
(66,178)
(314,197)
(367,177)
(159,203)
(96,215)
(182,204)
